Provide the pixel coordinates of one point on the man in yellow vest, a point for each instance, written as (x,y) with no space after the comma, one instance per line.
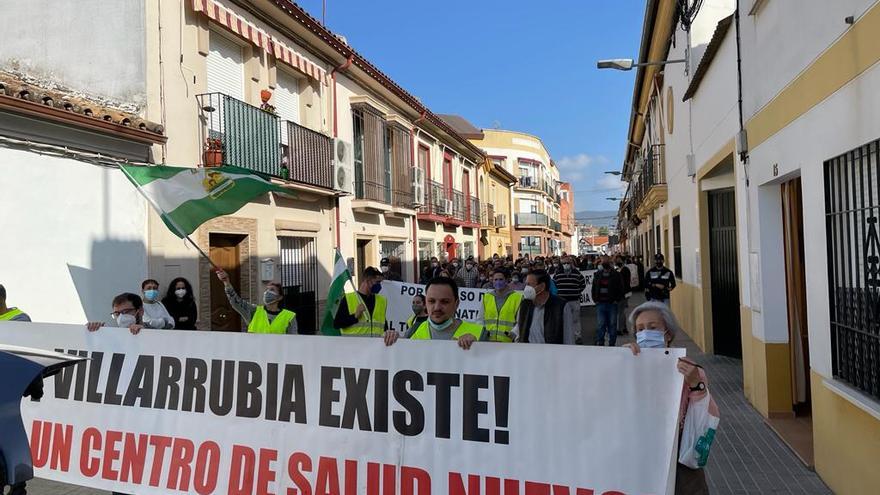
(362,314)
(500,308)
(10,314)
(268,317)
(441,297)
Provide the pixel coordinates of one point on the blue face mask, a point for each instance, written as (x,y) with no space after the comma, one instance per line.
(499,284)
(651,338)
(151,294)
(440,326)
(376,288)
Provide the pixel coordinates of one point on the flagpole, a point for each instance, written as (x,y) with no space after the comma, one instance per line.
(357,294)
(173,224)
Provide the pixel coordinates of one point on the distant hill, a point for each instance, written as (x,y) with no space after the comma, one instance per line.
(599,218)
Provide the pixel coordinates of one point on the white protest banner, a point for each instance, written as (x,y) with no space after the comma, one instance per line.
(239,414)
(587,294)
(400,294)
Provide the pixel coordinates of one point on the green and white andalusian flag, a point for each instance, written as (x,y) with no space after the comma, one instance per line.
(336,294)
(189,197)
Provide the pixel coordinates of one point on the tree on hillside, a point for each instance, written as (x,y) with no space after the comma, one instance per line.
(603,230)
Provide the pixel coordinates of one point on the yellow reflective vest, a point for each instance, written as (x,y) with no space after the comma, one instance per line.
(365,326)
(466,327)
(9,315)
(500,323)
(260,322)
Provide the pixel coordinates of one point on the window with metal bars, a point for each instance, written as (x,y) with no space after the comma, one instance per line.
(852,207)
(299,277)
(676,244)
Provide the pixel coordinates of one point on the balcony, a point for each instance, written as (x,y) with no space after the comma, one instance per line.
(449,206)
(257,140)
(555,226)
(538,184)
(487,217)
(531,220)
(648,184)
(370,197)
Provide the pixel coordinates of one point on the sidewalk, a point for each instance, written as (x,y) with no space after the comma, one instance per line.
(747,456)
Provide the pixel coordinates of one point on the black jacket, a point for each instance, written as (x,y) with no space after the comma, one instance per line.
(554,320)
(607,287)
(185,308)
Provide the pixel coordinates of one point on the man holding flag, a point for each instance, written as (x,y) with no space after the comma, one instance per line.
(360,313)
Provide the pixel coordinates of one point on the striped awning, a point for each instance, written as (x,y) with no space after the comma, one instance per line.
(256,36)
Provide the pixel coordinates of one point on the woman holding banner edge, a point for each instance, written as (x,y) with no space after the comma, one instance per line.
(654,326)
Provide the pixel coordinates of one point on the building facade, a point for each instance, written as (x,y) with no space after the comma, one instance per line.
(566,218)
(263,85)
(537,229)
(733,153)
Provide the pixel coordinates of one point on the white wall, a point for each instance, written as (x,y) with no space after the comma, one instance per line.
(74,237)
(844,121)
(790,34)
(93,46)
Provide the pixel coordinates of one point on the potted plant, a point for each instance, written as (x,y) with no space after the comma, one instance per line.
(213,155)
(267,107)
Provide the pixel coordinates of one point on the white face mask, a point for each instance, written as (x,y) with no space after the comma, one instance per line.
(384,269)
(125,321)
(180,293)
(651,338)
(270,297)
(529,293)
(566,266)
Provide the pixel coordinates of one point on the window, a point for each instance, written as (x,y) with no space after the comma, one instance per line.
(225,67)
(399,165)
(852,207)
(299,277)
(656,240)
(394,251)
(676,244)
(372,161)
(467,249)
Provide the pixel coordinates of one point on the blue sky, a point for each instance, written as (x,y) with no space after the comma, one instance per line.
(524,65)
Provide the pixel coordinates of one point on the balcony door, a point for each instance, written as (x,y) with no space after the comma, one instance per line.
(447,174)
(466,192)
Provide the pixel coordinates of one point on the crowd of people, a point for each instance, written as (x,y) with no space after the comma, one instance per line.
(531,300)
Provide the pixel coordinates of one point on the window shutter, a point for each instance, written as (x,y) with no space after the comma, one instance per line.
(225,67)
(287,97)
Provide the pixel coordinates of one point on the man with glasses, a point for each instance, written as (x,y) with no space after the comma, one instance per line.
(128,312)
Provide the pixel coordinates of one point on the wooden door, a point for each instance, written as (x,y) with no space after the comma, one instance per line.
(225,252)
(796,291)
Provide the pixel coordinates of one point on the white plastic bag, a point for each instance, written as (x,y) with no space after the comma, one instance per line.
(697,434)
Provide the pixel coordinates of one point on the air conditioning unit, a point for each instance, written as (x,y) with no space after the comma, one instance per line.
(343,166)
(501,220)
(418,187)
(447,207)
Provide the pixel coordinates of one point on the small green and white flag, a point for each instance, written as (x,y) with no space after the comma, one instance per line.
(336,294)
(189,197)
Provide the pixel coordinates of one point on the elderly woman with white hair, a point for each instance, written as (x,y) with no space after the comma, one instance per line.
(654,326)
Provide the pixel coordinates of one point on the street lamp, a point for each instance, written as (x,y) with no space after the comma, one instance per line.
(613,172)
(628,63)
(614,199)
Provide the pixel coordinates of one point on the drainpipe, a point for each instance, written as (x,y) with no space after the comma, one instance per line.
(344,66)
(412,142)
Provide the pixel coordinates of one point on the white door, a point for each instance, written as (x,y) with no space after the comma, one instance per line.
(225,67)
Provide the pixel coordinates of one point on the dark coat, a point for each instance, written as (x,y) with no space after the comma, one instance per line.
(554,320)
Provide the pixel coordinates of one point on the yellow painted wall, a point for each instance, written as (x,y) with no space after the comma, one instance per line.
(687,305)
(766,372)
(849,56)
(846,442)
